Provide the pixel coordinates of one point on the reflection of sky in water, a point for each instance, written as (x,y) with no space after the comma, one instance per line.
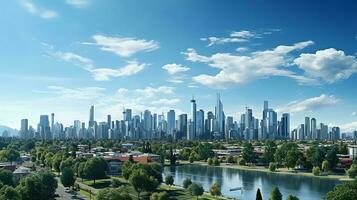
(308,188)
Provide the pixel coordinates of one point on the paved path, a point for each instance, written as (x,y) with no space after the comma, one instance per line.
(63,195)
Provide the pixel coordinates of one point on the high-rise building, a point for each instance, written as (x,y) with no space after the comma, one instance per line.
(219,116)
(91,117)
(182,126)
(24,128)
(171,122)
(193,119)
(270,122)
(307,130)
(285,126)
(44,126)
(313,129)
(335,133)
(147,125)
(229,127)
(52,121)
(209,125)
(200,123)
(109,121)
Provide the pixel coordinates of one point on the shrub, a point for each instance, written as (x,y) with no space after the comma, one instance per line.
(316,171)
(115,183)
(352,172)
(242,162)
(159,196)
(209,161)
(215,190)
(169,180)
(272,166)
(186,183)
(216,162)
(230,159)
(325,166)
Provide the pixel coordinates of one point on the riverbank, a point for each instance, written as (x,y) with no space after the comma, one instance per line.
(284,171)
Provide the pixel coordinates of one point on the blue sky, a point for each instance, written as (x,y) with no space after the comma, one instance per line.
(62,56)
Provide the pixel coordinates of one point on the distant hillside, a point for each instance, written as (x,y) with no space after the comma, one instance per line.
(13,132)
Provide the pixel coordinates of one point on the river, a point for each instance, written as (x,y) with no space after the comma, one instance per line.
(304,187)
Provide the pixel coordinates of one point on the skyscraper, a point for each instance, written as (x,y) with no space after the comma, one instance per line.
(147,124)
(182,127)
(91,117)
(193,119)
(313,129)
(307,131)
(52,121)
(171,122)
(219,115)
(44,126)
(109,121)
(24,128)
(200,123)
(285,126)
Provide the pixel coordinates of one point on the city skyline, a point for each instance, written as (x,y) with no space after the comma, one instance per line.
(61,57)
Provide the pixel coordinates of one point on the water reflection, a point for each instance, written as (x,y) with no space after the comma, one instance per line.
(309,188)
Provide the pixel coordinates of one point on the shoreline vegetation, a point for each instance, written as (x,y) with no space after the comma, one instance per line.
(283,171)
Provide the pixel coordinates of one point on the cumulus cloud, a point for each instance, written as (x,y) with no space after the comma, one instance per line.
(234,37)
(35,10)
(237,69)
(313,103)
(123,46)
(174,68)
(242,49)
(329,65)
(78,3)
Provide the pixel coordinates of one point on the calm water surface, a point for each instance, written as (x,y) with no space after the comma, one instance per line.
(309,188)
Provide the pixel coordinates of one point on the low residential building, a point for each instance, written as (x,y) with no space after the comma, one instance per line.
(20,173)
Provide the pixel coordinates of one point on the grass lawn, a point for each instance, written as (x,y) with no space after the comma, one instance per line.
(173,191)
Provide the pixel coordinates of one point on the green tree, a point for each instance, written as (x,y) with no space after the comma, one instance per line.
(259,195)
(242,162)
(141,182)
(195,189)
(112,194)
(316,171)
(186,183)
(216,161)
(215,189)
(272,167)
(345,191)
(9,155)
(209,161)
(269,151)
(230,159)
(68,163)
(275,194)
(352,171)
(56,161)
(191,159)
(325,166)
(331,157)
(9,193)
(159,196)
(291,197)
(292,157)
(248,152)
(115,183)
(81,170)
(67,177)
(95,168)
(6,177)
(169,180)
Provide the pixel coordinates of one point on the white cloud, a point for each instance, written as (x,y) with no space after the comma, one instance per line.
(85,93)
(151,91)
(237,69)
(176,79)
(353,113)
(313,103)
(124,46)
(165,101)
(349,127)
(35,10)
(78,3)
(234,37)
(100,73)
(242,49)
(174,68)
(104,74)
(329,65)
